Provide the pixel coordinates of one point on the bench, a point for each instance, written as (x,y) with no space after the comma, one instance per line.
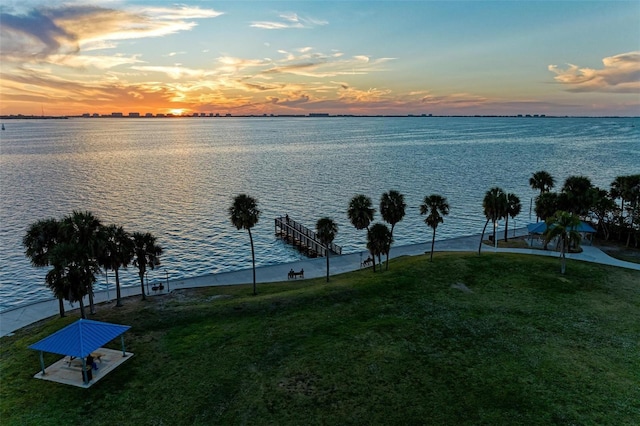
(367,262)
(293,274)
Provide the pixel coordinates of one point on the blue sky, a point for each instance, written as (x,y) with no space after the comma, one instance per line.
(298,57)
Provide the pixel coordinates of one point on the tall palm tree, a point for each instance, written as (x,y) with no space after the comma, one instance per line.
(244,214)
(117,252)
(75,271)
(392,210)
(435,207)
(83,236)
(326,229)
(379,240)
(603,208)
(40,239)
(146,254)
(513,209)
(627,188)
(360,211)
(57,282)
(494,205)
(577,195)
(542,181)
(563,225)
(619,188)
(546,205)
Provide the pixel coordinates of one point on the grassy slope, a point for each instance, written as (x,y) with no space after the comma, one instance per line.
(527,346)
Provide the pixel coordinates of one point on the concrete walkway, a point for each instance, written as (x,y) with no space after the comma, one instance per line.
(16,318)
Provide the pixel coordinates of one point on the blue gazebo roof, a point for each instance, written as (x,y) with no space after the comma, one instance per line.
(540,227)
(80,338)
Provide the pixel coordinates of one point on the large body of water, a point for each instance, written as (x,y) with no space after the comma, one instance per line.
(176,178)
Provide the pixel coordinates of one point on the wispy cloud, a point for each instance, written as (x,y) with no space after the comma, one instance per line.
(289,20)
(621,74)
(68,29)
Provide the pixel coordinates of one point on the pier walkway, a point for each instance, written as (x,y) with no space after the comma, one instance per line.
(303,238)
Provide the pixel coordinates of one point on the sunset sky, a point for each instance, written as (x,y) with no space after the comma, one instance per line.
(337,57)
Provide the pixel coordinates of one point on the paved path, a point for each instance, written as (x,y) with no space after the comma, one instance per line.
(16,318)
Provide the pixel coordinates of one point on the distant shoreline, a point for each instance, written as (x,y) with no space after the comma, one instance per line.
(311,115)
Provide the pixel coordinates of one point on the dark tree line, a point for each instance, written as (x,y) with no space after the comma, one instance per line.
(77,248)
(613,212)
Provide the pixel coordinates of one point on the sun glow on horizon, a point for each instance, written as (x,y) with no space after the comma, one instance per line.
(247,58)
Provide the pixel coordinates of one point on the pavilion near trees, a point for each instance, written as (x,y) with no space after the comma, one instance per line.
(539,228)
(79,339)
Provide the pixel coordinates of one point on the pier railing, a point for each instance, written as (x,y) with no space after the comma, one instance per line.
(302,237)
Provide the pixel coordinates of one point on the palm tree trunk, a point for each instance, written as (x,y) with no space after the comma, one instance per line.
(482,236)
(387,266)
(327,262)
(92,307)
(82,314)
(253,261)
(61,306)
(118,294)
(142,285)
(433,241)
(373,259)
(495,227)
(563,260)
(621,225)
(506,227)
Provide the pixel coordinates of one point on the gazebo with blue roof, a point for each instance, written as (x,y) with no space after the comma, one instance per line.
(80,339)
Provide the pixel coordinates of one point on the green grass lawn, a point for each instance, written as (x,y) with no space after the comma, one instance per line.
(524,345)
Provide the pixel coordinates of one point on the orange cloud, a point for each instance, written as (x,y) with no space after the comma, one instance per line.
(621,74)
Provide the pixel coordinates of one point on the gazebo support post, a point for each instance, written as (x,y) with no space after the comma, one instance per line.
(42,362)
(122,340)
(84,371)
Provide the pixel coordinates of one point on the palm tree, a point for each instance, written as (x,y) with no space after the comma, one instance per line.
(435,207)
(40,239)
(577,195)
(619,188)
(542,181)
(146,253)
(546,205)
(513,209)
(326,230)
(244,214)
(495,207)
(563,225)
(379,240)
(75,271)
(117,253)
(603,208)
(82,236)
(360,211)
(627,188)
(392,209)
(58,284)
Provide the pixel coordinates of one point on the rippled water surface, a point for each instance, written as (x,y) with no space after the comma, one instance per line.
(177,177)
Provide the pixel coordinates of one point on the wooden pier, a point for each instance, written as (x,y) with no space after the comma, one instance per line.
(303,238)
